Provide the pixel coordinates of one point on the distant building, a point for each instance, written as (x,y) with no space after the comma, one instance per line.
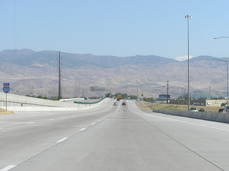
(162,98)
(96,88)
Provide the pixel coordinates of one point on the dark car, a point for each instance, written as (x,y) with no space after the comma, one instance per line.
(123,103)
(201,110)
(220,111)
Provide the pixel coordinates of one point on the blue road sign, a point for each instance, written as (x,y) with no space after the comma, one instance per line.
(6,84)
(6,87)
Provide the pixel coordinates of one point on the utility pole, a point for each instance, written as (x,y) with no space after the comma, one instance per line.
(188,17)
(59,86)
(167,100)
(210,92)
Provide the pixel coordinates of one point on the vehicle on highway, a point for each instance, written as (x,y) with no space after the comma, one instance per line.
(220,110)
(115,104)
(193,109)
(201,110)
(226,109)
(123,103)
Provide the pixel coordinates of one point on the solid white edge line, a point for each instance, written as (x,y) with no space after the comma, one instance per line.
(191,123)
(61,140)
(187,122)
(8,168)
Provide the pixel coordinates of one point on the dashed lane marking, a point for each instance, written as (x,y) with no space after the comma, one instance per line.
(30,123)
(82,129)
(93,124)
(8,168)
(61,140)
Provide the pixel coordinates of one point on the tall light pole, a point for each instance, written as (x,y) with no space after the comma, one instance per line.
(224,61)
(227,80)
(188,17)
(59,76)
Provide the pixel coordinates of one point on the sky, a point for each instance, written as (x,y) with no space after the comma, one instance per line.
(116,27)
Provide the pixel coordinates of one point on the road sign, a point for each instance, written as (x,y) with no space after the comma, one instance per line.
(6,87)
(6,84)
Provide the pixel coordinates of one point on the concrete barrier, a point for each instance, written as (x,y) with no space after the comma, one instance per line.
(91,102)
(24,103)
(210,116)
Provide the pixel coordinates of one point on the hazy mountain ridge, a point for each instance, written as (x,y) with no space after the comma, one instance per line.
(29,57)
(34,73)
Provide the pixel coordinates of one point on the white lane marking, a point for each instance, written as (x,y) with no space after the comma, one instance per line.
(30,123)
(51,119)
(61,140)
(8,168)
(177,120)
(93,123)
(82,129)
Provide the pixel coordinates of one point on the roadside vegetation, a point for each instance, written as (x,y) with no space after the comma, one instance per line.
(146,106)
(5,112)
(44,97)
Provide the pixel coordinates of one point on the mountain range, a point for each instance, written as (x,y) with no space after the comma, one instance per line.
(36,73)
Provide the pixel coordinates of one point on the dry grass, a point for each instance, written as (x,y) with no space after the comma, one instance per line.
(149,107)
(5,112)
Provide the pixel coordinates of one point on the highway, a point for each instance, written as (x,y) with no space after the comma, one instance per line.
(111,138)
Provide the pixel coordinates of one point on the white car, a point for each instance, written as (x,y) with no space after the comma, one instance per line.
(193,109)
(115,104)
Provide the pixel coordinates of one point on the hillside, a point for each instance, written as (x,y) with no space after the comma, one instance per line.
(35,73)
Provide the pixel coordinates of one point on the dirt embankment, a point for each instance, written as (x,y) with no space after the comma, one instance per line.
(148,107)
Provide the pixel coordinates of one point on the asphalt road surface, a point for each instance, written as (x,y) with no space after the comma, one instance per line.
(111,138)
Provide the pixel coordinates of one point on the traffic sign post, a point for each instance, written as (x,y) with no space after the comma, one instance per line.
(6,89)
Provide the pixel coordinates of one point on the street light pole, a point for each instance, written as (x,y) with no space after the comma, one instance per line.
(188,17)
(226,62)
(227,82)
